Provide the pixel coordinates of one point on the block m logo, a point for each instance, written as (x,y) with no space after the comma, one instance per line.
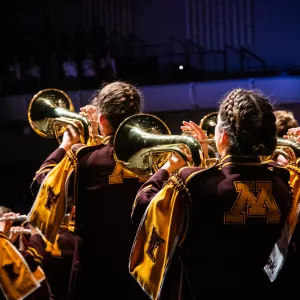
(247,205)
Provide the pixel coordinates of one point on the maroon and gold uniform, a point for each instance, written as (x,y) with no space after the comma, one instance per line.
(57,264)
(104,231)
(21,276)
(239,208)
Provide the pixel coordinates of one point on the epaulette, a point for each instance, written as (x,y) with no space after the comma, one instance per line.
(278,169)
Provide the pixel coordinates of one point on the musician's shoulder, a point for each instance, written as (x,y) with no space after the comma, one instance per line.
(83,148)
(187,173)
(278,169)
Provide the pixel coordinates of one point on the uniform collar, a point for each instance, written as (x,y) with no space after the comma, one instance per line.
(250,160)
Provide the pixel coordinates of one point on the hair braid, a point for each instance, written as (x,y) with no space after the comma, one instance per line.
(248,118)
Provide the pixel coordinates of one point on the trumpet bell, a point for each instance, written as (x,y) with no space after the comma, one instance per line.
(130,141)
(51,110)
(41,111)
(208,124)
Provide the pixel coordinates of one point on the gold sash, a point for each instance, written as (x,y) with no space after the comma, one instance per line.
(161,230)
(16,279)
(280,250)
(294,212)
(49,208)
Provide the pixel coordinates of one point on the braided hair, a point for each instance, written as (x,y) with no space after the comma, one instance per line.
(248,118)
(117,101)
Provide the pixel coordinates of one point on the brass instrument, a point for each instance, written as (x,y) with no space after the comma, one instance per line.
(50,109)
(288,148)
(143,143)
(295,146)
(14,218)
(208,124)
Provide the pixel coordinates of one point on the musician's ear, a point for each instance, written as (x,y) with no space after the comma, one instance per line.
(102,119)
(224,138)
(222,141)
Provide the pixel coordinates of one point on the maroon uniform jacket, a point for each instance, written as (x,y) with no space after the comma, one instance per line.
(57,268)
(34,258)
(239,208)
(103,228)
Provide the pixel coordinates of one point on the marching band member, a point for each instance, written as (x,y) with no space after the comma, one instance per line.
(216,226)
(104,196)
(57,263)
(20,274)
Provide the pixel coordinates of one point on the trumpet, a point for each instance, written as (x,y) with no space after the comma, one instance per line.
(15,218)
(20,230)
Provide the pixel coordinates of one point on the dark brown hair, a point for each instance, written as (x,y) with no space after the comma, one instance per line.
(284,121)
(248,118)
(117,101)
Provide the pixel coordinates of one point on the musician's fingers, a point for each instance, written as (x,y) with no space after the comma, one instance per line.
(72,130)
(295,130)
(198,129)
(185,123)
(91,109)
(13,236)
(9,214)
(185,128)
(33,230)
(194,125)
(187,152)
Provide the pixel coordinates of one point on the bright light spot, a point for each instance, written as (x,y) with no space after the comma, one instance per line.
(180,67)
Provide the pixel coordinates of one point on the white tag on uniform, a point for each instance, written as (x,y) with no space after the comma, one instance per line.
(278,255)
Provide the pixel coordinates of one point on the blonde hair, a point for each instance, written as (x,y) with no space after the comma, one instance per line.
(4,210)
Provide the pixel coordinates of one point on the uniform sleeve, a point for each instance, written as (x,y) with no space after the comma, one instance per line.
(51,161)
(34,252)
(146,193)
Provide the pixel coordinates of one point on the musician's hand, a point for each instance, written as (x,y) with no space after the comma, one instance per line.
(14,233)
(195,131)
(32,229)
(293,134)
(22,245)
(281,160)
(90,112)
(174,163)
(70,138)
(6,225)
